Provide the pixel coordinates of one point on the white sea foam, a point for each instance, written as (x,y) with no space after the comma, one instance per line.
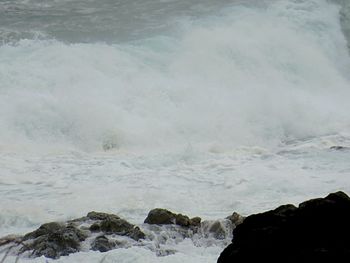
(247,77)
(232,110)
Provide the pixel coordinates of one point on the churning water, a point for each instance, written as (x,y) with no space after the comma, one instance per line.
(202,107)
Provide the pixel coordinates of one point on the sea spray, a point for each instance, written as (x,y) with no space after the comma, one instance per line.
(201,107)
(248,76)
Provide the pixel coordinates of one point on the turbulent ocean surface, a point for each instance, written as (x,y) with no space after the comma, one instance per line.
(202,107)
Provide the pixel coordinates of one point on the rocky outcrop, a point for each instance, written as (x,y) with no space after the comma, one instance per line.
(102,244)
(103,232)
(53,240)
(316,231)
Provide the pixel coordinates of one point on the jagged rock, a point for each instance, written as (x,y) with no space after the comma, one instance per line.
(317,231)
(53,240)
(95,227)
(161,216)
(103,232)
(136,234)
(121,227)
(236,219)
(101,216)
(116,226)
(102,244)
(43,230)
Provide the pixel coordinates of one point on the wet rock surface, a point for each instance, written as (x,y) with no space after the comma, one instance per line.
(159,216)
(102,232)
(53,240)
(102,244)
(316,231)
(101,216)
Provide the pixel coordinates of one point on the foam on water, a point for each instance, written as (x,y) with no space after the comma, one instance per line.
(233,108)
(250,76)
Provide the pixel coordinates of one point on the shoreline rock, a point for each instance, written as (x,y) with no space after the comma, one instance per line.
(318,230)
(159,216)
(102,232)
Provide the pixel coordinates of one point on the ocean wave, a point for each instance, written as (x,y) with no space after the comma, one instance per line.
(246,76)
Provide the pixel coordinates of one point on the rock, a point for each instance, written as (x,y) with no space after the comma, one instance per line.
(182,220)
(53,240)
(196,221)
(161,216)
(95,227)
(121,227)
(236,219)
(103,232)
(102,244)
(136,234)
(44,229)
(101,216)
(116,226)
(339,148)
(317,231)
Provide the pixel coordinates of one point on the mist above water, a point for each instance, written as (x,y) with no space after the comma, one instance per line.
(181,73)
(201,107)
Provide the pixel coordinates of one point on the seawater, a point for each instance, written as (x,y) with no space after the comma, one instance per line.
(200,107)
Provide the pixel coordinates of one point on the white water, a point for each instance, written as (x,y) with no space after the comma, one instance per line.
(197,107)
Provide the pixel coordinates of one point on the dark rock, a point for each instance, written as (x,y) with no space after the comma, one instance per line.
(102,244)
(340,148)
(317,231)
(196,221)
(136,234)
(43,230)
(116,226)
(101,216)
(121,227)
(95,227)
(53,240)
(161,216)
(182,220)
